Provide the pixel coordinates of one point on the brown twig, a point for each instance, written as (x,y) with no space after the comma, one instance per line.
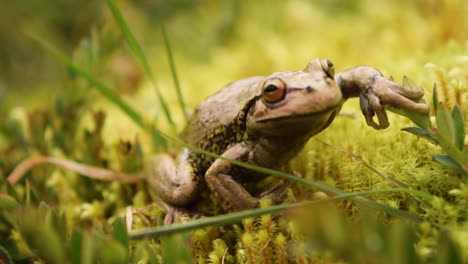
(89,171)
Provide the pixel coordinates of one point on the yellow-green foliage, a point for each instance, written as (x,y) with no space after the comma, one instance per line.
(217,42)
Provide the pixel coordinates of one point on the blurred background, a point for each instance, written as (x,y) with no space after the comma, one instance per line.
(216,42)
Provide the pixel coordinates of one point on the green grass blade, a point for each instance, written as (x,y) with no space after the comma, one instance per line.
(170,56)
(238,216)
(137,50)
(320,186)
(104,90)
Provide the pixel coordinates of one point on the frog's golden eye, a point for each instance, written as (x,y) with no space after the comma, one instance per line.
(327,66)
(273,90)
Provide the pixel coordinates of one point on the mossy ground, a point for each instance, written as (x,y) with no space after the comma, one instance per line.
(214,44)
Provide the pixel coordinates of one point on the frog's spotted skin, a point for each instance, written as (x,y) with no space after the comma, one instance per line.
(228,127)
(266,121)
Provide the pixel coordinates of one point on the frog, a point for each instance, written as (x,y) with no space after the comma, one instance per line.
(266,121)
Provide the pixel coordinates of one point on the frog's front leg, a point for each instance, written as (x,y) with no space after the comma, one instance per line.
(375,92)
(231,195)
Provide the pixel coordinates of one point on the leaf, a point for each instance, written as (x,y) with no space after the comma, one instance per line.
(451,149)
(87,249)
(444,122)
(144,252)
(435,98)
(175,249)
(448,162)
(399,243)
(75,247)
(111,251)
(4,256)
(58,222)
(421,120)
(446,133)
(45,242)
(421,133)
(119,232)
(11,191)
(449,251)
(7,202)
(33,198)
(459,127)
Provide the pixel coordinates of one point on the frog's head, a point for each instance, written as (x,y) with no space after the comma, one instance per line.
(302,101)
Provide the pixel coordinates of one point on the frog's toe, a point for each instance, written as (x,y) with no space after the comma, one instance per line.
(408,93)
(383,122)
(400,101)
(370,106)
(388,84)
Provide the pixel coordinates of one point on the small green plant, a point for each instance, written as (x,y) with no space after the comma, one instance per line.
(449,133)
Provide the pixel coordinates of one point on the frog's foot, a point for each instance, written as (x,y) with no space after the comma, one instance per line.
(277,192)
(173,182)
(381,92)
(176,214)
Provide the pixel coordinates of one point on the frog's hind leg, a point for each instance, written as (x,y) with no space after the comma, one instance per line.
(174,183)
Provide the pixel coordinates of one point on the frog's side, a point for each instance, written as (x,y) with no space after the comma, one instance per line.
(266,121)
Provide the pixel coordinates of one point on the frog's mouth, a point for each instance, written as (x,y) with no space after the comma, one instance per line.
(323,112)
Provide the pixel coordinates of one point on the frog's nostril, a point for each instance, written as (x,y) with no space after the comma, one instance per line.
(309,89)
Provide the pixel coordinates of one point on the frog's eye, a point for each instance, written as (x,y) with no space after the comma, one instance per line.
(327,66)
(273,90)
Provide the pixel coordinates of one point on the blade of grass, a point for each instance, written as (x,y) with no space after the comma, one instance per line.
(137,118)
(174,71)
(372,204)
(106,92)
(238,216)
(138,52)
(103,89)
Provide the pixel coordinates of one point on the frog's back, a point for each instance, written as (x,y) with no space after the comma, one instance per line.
(219,121)
(219,113)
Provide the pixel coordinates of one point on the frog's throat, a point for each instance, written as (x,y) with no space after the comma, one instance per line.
(299,115)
